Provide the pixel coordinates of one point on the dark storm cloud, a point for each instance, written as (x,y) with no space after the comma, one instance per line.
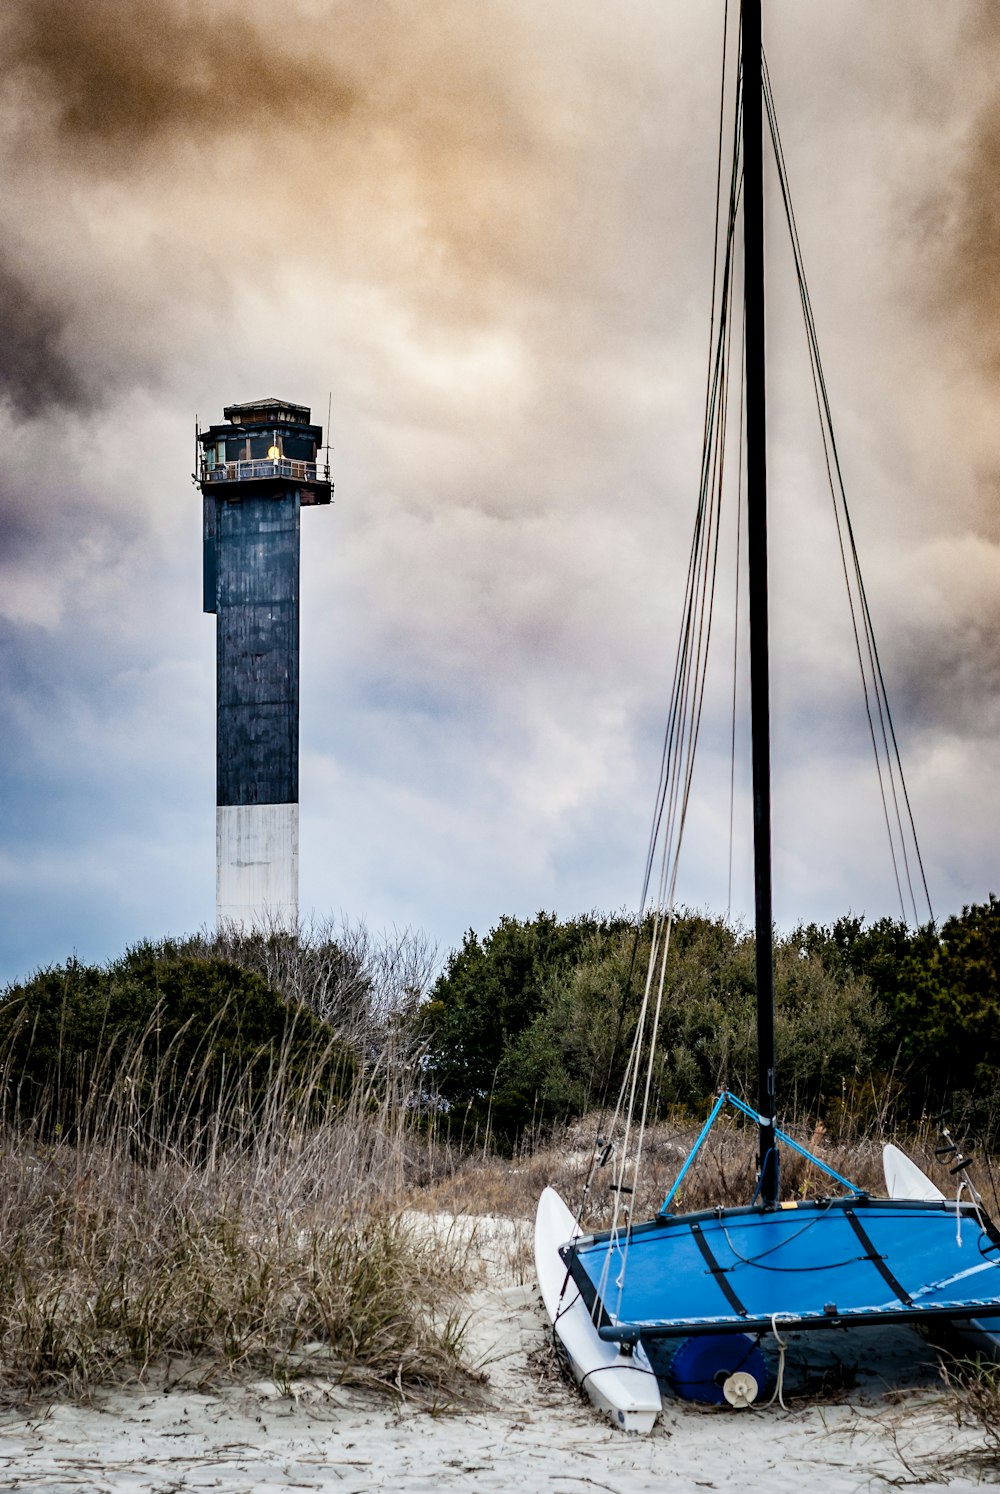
(945,637)
(20,530)
(417,149)
(440,129)
(120,76)
(958,224)
(485,224)
(35,371)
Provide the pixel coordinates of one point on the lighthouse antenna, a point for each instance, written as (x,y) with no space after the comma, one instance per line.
(329,413)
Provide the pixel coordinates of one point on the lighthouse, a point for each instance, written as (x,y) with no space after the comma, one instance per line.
(257,471)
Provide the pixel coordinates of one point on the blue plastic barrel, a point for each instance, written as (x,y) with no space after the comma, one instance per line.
(701,1365)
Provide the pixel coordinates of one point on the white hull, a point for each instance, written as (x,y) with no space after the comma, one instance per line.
(623,1385)
(904,1179)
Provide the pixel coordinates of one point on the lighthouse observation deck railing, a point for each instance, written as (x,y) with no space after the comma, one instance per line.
(266,467)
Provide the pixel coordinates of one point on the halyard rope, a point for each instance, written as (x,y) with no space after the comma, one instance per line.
(684,719)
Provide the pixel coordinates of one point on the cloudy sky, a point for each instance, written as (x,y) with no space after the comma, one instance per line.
(485,227)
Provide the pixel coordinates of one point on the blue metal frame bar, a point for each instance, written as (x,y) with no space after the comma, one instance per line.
(795,1145)
(852,1187)
(751,1114)
(694,1151)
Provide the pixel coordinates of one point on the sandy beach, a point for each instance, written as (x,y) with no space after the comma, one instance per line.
(893,1426)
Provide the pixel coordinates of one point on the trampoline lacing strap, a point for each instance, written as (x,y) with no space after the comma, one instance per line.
(878,1261)
(717,1271)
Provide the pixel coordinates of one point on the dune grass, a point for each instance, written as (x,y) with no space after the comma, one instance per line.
(725,1172)
(242,1232)
(177,1204)
(109,1268)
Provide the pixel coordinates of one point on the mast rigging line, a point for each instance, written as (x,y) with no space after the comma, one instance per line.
(688,687)
(736,645)
(884,741)
(687,696)
(706,439)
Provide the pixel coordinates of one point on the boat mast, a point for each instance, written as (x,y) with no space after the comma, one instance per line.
(756,466)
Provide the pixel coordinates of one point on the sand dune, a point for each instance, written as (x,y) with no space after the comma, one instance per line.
(532,1431)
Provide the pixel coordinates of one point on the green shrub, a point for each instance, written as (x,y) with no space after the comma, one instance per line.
(492,990)
(533,1025)
(190,1038)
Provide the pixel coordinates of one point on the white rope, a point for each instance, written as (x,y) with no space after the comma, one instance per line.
(958,1212)
(684,719)
(779,1384)
(689,695)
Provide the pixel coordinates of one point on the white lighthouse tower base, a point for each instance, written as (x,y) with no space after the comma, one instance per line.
(257,866)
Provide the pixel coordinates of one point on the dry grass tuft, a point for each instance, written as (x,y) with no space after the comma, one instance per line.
(260,1239)
(282,1262)
(725,1172)
(973,1390)
(207,1221)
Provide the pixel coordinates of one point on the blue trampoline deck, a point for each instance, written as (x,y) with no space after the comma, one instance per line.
(830,1262)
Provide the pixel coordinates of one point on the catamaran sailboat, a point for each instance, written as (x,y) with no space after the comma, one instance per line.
(712,1285)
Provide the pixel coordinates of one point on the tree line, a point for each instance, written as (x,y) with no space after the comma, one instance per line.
(531,1024)
(524,1028)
